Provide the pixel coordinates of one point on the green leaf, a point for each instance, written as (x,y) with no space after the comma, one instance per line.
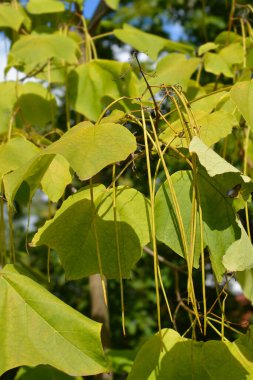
(232,54)
(121,360)
(212,128)
(242,95)
(56,178)
(180,357)
(31,103)
(214,164)
(224,360)
(34,334)
(97,81)
(36,50)
(207,47)
(245,279)
(7,103)
(32,172)
(216,64)
(224,37)
(15,153)
(223,234)
(89,148)
(173,69)
(46,6)
(42,372)
(10,17)
(114,4)
(215,126)
(208,103)
(167,229)
(37,104)
(71,232)
(239,256)
(149,42)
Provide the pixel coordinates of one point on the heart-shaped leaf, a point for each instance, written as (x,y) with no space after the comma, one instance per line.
(33,333)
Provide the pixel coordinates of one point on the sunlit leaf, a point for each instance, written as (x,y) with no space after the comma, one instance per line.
(89,148)
(207,47)
(242,95)
(36,49)
(112,3)
(216,64)
(211,128)
(56,178)
(34,334)
(149,43)
(173,69)
(74,231)
(10,16)
(45,6)
(232,54)
(15,153)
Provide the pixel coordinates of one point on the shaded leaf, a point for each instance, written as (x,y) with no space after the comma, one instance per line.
(180,357)
(30,321)
(223,234)
(31,103)
(242,95)
(37,104)
(167,228)
(32,172)
(245,279)
(97,81)
(42,372)
(121,360)
(71,232)
(149,42)
(7,103)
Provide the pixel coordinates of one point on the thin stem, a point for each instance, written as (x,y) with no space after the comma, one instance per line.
(164,294)
(245,159)
(153,227)
(244,43)
(97,242)
(2,228)
(102,35)
(118,250)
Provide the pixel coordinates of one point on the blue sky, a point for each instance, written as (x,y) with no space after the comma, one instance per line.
(89,7)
